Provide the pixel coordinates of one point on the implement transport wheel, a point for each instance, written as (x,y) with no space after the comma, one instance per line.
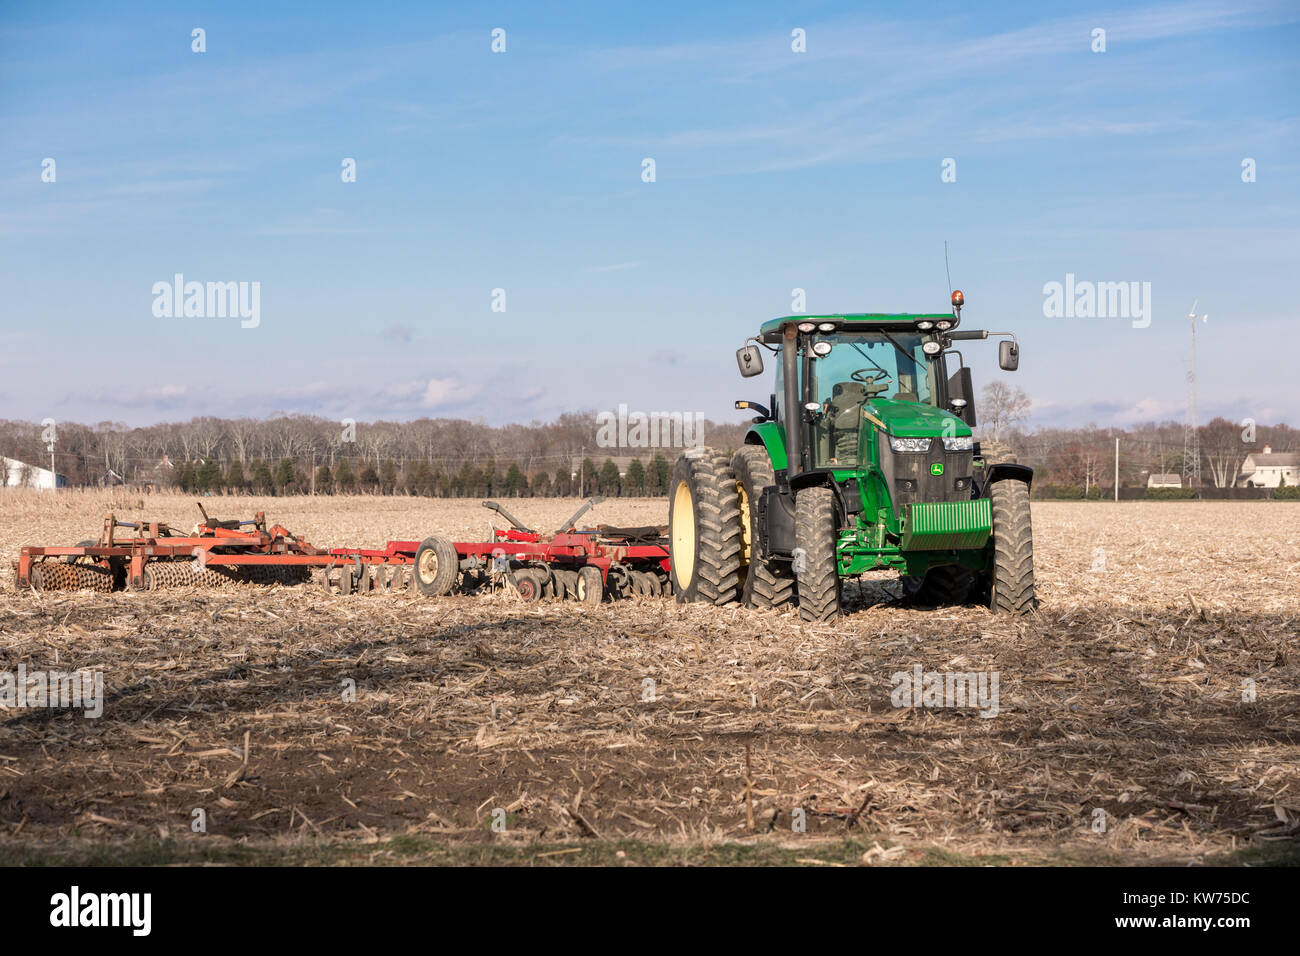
(704,529)
(1011,582)
(591,586)
(437,566)
(762,585)
(815,531)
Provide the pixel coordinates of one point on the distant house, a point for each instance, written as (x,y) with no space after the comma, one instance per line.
(1164,481)
(159,476)
(1269,469)
(19,474)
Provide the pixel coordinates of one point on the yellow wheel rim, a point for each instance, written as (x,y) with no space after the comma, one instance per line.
(428,566)
(683,536)
(745,531)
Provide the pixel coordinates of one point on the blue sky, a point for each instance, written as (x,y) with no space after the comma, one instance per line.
(522,170)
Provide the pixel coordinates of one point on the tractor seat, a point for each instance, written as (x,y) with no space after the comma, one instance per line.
(848,393)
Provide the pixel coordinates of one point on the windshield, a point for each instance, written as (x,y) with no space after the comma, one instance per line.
(863,366)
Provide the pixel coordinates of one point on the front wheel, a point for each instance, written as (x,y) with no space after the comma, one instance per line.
(816,531)
(1011,582)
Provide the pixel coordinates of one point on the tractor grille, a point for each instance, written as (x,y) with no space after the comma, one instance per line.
(911,478)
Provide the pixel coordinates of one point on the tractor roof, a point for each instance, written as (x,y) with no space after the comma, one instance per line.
(855,321)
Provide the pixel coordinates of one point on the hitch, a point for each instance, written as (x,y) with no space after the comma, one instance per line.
(573,518)
(514,522)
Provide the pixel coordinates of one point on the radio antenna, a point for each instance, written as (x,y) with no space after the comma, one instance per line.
(945,267)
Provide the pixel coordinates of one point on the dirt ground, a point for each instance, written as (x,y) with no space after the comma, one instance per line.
(647,731)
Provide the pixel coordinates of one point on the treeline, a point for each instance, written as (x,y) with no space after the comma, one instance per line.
(1080,462)
(288,477)
(295,454)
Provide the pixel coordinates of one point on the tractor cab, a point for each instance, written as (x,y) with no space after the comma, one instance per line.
(843,376)
(852,374)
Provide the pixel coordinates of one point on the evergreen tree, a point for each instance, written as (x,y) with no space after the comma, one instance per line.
(263,483)
(516,483)
(343,478)
(542,485)
(609,478)
(284,477)
(235,477)
(208,477)
(660,473)
(636,477)
(186,478)
(586,478)
(368,479)
(324,480)
(388,476)
(468,480)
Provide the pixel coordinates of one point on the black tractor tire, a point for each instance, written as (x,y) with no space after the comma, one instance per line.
(437,566)
(591,586)
(996,452)
(704,529)
(944,585)
(1011,581)
(763,582)
(816,532)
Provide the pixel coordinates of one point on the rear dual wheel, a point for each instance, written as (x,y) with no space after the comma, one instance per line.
(704,529)
(765,584)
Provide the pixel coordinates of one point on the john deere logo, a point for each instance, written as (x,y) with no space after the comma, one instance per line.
(936,468)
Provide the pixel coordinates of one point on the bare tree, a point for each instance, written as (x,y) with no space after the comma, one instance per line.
(1002,407)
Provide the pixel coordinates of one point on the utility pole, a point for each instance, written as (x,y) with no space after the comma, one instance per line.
(1117,468)
(1191,434)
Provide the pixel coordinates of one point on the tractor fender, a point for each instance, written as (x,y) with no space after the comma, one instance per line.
(843,506)
(1002,471)
(768,434)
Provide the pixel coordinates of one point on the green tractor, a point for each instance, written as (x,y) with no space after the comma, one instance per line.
(864,459)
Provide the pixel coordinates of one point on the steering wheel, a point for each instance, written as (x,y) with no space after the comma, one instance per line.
(875,380)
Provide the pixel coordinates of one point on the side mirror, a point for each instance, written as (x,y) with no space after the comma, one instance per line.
(1008,356)
(750,360)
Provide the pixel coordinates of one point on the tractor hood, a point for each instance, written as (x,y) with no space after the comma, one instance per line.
(914,420)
